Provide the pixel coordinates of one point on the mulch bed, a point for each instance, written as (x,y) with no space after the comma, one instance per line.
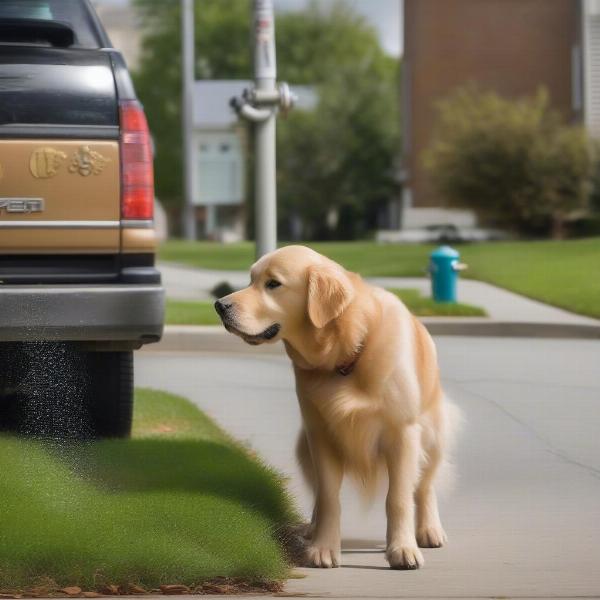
(218,585)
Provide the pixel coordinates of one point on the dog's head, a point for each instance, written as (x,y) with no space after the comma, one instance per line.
(290,289)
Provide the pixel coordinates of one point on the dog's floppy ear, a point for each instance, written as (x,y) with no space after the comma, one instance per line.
(329,293)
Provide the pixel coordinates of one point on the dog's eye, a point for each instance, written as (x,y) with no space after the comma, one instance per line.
(272,284)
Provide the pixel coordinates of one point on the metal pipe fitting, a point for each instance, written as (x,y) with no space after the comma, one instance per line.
(247,111)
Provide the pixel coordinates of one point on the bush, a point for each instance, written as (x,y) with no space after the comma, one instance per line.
(512,161)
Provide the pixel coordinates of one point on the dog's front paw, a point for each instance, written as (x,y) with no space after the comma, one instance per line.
(431,537)
(323,556)
(404,557)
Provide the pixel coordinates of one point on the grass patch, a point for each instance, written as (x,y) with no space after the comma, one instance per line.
(179,503)
(366,258)
(565,274)
(203,313)
(422,306)
(183,312)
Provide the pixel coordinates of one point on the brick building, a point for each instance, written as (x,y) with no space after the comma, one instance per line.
(510,46)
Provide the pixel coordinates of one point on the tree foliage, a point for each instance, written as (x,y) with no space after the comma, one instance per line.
(513,161)
(340,156)
(221,44)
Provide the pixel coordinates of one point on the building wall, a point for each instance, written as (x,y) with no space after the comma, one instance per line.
(591,65)
(509,46)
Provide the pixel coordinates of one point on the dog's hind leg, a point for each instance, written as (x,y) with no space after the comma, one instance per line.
(439,429)
(430,533)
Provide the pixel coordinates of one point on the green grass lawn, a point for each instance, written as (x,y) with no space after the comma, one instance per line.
(183,312)
(180,503)
(422,306)
(565,274)
(366,258)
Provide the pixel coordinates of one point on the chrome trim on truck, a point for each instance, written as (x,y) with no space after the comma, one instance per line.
(20,205)
(127,313)
(137,223)
(38,224)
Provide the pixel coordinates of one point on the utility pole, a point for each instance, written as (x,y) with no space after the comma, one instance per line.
(259,105)
(187,116)
(265,72)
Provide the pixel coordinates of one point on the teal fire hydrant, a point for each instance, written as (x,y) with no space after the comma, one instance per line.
(444,267)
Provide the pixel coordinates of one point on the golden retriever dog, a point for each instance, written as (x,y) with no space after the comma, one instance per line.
(369,391)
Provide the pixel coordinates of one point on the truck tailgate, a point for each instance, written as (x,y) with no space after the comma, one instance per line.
(59,152)
(59,195)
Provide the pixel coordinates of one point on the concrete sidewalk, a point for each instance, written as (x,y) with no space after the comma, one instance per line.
(188,283)
(523,518)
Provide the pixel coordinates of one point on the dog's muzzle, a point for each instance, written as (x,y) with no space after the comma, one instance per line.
(270,332)
(254,339)
(226,313)
(222,308)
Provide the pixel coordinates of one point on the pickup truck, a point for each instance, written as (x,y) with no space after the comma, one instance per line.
(79,290)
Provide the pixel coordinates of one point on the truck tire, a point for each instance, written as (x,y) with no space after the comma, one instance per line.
(111,393)
(13,371)
(56,390)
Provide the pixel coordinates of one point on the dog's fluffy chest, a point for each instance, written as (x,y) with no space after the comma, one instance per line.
(359,419)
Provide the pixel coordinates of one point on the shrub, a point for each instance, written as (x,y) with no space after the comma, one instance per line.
(512,161)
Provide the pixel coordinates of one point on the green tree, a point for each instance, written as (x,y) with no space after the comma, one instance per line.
(339,156)
(222,42)
(513,161)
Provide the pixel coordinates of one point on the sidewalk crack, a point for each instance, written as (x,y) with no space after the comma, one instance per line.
(593,471)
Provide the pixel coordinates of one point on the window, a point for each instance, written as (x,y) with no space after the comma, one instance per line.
(71,12)
(220,169)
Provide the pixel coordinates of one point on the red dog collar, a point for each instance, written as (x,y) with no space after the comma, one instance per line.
(347,368)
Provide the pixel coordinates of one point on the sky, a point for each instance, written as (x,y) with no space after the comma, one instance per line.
(384,15)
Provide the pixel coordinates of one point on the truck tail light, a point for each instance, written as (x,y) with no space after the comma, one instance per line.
(137,175)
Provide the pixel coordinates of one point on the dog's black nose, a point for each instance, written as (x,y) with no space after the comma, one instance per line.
(221,307)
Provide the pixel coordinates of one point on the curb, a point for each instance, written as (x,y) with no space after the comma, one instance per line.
(213,338)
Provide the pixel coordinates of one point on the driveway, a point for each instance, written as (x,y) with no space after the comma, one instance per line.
(523,516)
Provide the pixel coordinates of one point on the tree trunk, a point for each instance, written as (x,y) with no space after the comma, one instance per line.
(558,226)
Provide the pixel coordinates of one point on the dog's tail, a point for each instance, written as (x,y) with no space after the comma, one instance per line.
(453,424)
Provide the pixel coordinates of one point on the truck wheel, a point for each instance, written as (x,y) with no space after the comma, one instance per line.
(111,393)
(54,390)
(47,390)
(13,370)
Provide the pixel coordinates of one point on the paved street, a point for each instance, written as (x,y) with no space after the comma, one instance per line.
(523,516)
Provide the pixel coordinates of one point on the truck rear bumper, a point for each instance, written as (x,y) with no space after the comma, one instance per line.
(129,314)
